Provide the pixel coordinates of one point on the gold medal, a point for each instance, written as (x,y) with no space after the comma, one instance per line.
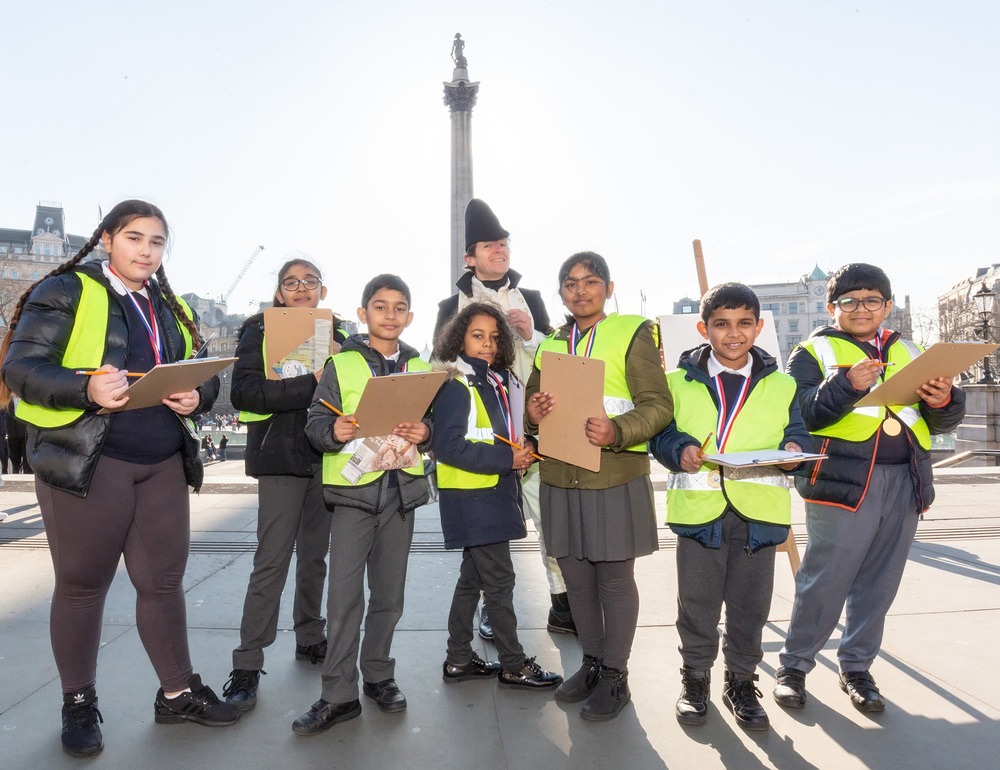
(891,427)
(715,479)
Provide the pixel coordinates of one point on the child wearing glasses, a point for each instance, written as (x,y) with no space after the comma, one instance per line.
(291,513)
(862,503)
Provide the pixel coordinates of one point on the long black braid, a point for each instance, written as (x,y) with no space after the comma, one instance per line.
(171,299)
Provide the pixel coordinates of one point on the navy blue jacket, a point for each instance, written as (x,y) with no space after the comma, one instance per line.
(471,517)
(668,445)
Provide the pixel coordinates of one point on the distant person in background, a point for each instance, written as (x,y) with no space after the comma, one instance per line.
(4,449)
(17,440)
(222,447)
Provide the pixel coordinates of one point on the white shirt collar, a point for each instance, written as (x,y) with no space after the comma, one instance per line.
(716,367)
(116,283)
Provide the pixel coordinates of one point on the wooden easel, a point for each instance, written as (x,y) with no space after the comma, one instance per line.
(789,546)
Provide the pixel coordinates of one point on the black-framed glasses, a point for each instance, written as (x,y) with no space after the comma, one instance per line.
(292,284)
(850,304)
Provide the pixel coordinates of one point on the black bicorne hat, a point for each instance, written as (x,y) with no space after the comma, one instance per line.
(481,224)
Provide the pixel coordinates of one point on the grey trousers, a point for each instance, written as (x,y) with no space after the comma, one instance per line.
(379,545)
(707,578)
(488,568)
(857,559)
(290,514)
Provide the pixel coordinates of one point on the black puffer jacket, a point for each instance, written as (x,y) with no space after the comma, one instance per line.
(371,497)
(842,479)
(278,445)
(66,457)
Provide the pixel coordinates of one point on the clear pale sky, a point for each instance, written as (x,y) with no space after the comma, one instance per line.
(783,134)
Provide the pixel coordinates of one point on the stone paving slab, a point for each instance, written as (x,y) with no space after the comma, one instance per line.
(937,668)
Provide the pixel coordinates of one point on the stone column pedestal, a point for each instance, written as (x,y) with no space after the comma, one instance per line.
(981,427)
(460,98)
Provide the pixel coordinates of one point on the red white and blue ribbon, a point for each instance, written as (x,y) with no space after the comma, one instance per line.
(727,416)
(575,337)
(151,327)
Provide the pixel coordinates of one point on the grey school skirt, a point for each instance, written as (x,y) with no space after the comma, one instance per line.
(600,524)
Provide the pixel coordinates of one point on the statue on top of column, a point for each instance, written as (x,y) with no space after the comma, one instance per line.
(457,48)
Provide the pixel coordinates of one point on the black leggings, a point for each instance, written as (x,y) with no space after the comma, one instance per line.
(605,603)
(141,511)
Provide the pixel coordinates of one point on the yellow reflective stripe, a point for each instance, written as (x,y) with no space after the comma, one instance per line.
(352,373)
(860,424)
(479,429)
(253,416)
(85,350)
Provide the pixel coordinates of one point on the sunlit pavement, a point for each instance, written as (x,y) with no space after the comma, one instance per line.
(938,667)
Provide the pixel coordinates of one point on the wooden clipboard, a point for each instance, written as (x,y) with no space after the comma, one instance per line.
(942,359)
(165,379)
(285,328)
(577,382)
(388,401)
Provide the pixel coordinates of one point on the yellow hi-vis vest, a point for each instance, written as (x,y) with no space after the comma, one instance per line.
(861,423)
(353,372)
(760,494)
(85,349)
(480,429)
(614,335)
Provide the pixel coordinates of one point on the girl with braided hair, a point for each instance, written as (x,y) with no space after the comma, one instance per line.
(110,485)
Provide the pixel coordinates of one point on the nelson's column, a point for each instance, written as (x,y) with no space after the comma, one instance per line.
(460,97)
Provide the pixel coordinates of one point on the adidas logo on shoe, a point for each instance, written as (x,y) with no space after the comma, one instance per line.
(78,698)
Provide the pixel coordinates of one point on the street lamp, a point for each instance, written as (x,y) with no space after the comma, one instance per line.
(984,302)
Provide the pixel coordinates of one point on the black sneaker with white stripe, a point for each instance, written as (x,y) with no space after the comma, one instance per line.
(201,705)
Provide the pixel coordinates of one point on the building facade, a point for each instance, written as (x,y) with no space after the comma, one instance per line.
(27,255)
(799,307)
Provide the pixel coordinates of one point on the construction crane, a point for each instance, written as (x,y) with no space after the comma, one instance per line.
(239,277)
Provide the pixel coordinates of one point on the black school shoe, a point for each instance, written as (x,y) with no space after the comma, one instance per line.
(201,705)
(386,695)
(579,686)
(530,676)
(609,697)
(790,687)
(740,697)
(323,715)
(692,706)
(863,691)
(560,616)
(241,689)
(477,668)
(81,736)
(314,653)
(485,627)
